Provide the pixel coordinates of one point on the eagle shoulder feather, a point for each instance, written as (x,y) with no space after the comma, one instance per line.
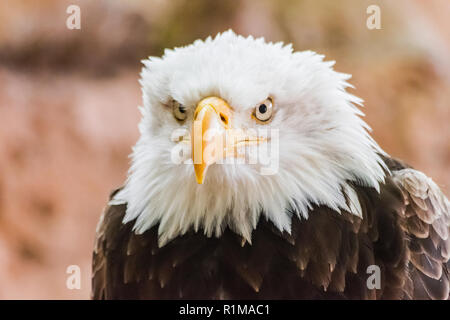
(426,221)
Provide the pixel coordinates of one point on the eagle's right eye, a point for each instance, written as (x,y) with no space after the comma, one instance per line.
(263,111)
(179,111)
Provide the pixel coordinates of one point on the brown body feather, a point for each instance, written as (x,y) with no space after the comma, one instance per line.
(324,257)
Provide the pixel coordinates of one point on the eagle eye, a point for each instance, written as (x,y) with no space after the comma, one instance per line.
(263,111)
(179,111)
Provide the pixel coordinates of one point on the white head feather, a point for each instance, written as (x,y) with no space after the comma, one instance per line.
(323,142)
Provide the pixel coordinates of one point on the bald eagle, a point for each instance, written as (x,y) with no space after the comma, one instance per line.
(255,177)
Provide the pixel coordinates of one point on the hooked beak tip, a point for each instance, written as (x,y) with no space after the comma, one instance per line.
(200,173)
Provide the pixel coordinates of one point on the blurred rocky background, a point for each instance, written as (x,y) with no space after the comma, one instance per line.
(68,104)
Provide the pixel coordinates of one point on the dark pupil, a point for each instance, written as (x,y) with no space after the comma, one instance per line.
(262,108)
(182,109)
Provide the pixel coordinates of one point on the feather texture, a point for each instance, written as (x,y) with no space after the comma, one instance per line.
(324,256)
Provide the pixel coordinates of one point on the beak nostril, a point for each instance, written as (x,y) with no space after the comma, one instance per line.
(223,118)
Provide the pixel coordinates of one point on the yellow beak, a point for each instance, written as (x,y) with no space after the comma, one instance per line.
(213,136)
(209,134)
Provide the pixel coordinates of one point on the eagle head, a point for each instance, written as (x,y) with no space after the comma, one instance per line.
(237,128)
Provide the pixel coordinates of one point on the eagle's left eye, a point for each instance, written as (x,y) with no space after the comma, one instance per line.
(179,111)
(263,111)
